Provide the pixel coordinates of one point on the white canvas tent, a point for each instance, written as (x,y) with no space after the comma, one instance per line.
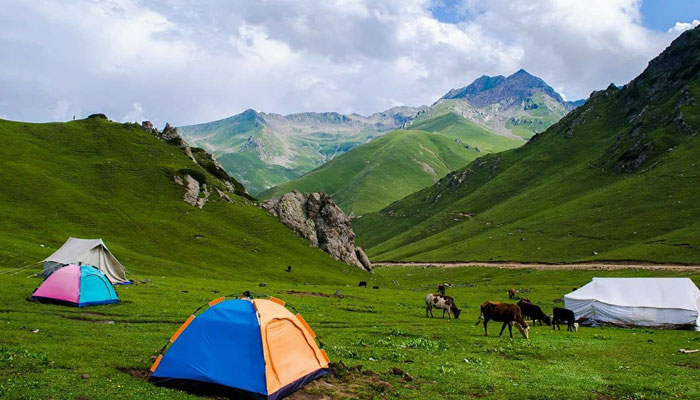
(658,302)
(87,252)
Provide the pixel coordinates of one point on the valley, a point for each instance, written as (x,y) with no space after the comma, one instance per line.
(307,255)
(468,122)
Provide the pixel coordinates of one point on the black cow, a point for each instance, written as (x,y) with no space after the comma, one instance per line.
(534,312)
(362,284)
(564,316)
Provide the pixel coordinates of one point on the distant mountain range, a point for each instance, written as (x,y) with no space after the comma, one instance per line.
(264,150)
(490,115)
(616,179)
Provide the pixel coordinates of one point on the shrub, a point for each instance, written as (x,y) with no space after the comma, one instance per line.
(199,176)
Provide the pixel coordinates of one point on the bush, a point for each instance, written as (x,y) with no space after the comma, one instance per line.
(199,176)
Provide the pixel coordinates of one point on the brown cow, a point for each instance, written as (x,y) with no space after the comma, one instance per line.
(509,314)
(511,293)
(446,303)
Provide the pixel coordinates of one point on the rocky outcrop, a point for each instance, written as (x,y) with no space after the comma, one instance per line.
(196,195)
(317,218)
(197,192)
(170,135)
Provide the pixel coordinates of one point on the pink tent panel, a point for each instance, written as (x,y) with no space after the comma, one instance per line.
(64,284)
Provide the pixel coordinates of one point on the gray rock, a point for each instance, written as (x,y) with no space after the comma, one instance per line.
(317,218)
(148,127)
(201,201)
(192,194)
(170,135)
(362,257)
(170,132)
(223,195)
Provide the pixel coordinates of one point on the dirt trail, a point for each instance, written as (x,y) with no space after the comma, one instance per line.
(604,265)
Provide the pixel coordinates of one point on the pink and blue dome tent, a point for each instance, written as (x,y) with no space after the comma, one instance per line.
(241,348)
(77,285)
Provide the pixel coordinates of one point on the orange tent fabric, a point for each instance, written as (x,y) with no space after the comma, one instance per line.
(288,345)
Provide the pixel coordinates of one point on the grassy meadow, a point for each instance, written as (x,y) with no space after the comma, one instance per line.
(103,352)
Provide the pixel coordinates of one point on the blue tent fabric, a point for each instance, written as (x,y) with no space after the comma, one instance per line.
(95,288)
(221,346)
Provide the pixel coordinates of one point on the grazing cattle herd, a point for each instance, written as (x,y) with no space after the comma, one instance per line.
(508,313)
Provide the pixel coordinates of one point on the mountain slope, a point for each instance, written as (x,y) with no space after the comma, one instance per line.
(94,178)
(263,150)
(375,174)
(615,179)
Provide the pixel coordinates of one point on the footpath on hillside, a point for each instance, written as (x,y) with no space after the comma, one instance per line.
(603,265)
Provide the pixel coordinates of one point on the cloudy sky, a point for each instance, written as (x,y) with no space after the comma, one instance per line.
(189,61)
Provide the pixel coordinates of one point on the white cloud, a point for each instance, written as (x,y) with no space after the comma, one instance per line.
(681,27)
(188,62)
(135,114)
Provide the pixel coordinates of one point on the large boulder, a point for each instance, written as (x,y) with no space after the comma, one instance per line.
(317,218)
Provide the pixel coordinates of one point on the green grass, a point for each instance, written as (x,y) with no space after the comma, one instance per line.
(571,193)
(77,354)
(372,176)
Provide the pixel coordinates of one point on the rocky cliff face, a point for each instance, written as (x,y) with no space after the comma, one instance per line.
(317,218)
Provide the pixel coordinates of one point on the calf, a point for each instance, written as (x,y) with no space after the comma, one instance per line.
(511,293)
(509,314)
(441,290)
(534,312)
(362,284)
(563,315)
(445,303)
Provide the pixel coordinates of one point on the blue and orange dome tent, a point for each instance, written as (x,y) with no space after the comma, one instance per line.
(241,346)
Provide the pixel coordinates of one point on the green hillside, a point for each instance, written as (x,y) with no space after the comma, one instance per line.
(616,179)
(377,173)
(94,178)
(255,174)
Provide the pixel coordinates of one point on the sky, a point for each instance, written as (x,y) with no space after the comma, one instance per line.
(191,61)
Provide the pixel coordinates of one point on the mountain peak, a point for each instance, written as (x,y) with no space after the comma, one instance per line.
(522,71)
(492,89)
